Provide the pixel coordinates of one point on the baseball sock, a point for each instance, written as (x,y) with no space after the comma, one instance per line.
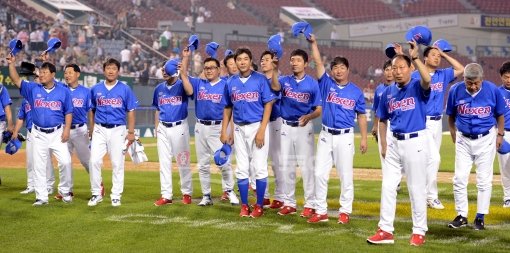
(261,189)
(480,216)
(243,190)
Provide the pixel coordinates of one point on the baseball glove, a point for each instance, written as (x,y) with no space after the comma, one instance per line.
(6,136)
(21,137)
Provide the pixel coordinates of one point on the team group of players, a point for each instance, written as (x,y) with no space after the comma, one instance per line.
(266,114)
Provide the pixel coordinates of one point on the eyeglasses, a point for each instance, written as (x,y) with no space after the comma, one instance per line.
(209,68)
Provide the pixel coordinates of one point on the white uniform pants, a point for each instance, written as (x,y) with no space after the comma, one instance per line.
(409,155)
(435,132)
(207,142)
(43,145)
(50,174)
(274,128)
(174,142)
(388,139)
(504,168)
(248,154)
(79,141)
(337,150)
(481,152)
(111,141)
(297,145)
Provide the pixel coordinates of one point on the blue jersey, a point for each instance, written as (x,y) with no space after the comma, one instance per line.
(404,107)
(81,103)
(24,114)
(438,83)
(276,109)
(506,96)
(208,98)
(48,108)
(171,101)
(377,96)
(111,105)
(298,98)
(248,98)
(475,114)
(5,100)
(340,103)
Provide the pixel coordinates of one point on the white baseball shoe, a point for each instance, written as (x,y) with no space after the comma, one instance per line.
(506,204)
(206,201)
(435,204)
(39,202)
(233,198)
(28,190)
(50,191)
(116,202)
(94,200)
(67,198)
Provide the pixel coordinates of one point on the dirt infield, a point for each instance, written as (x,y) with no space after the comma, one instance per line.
(18,161)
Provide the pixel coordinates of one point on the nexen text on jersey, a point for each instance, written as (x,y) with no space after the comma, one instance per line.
(203,95)
(436,86)
(77,102)
(175,100)
(52,105)
(344,102)
(298,96)
(248,96)
(114,102)
(403,105)
(480,111)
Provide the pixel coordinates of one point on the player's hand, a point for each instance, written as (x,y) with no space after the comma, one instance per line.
(260,137)
(11,59)
(398,49)
(14,135)
(499,141)
(303,120)
(312,38)
(363,145)
(186,52)
(224,137)
(384,147)
(374,133)
(454,137)
(276,62)
(131,138)
(65,135)
(413,50)
(44,56)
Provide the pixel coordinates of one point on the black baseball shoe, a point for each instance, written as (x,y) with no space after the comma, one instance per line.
(479,224)
(458,222)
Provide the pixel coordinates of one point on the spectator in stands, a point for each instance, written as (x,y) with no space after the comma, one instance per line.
(125,58)
(136,48)
(23,36)
(155,45)
(197,63)
(335,35)
(167,33)
(59,17)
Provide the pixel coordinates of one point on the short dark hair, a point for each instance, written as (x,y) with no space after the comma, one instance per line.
(267,52)
(300,52)
(340,60)
(111,61)
(254,66)
(405,57)
(228,57)
(505,68)
(49,66)
(427,51)
(212,59)
(75,67)
(243,50)
(387,64)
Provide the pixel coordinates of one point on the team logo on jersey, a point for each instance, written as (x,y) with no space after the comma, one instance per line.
(78,102)
(507,102)
(436,86)
(250,96)
(344,102)
(298,96)
(286,84)
(481,111)
(403,105)
(175,100)
(52,105)
(38,95)
(113,102)
(203,95)
(27,107)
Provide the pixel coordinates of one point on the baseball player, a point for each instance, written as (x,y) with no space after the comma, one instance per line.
(171,125)
(248,99)
(51,116)
(300,103)
(342,102)
(230,66)
(475,106)
(440,78)
(112,102)
(6,123)
(404,104)
(208,94)
(504,160)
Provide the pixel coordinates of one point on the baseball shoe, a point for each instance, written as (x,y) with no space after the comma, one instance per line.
(224,196)
(162,201)
(116,202)
(478,224)
(233,198)
(276,204)
(381,237)
(307,212)
(59,196)
(398,187)
(67,198)
(318,218)
(245,211)
(506,203)
(28,190)
(94,200)
(186,199)
(50,191)
(343,218)
(39,202)
(206,201)
(287,210)
(458,222)
(435,204)
(257,212)
(417,240)
(266,203)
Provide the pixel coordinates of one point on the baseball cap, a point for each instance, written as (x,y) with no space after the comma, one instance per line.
(27,69)
(12,147)
(53,44)
(193,42)
(390,51)
(222,155)
(171,67)
(505,148)
(274,45)
(228,52)
(211,49)
(16,46)
(421,34)
(443,45)
(302,27)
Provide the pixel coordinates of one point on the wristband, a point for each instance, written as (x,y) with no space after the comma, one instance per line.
(131,132)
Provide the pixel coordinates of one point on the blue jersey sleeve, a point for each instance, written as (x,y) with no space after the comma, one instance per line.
(316,95)
(382,110)
(266,93)
(449,76)
(131,101)
(25,89)
(376,103)
(500,104)
(360,104)
(88,103)
(195,83)
(21,111)
(450,103)
(155,98)
(93,102)
(4,97)
(68,103)
(226,95)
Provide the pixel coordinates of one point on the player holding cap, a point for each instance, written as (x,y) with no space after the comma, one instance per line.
(171,125)
(248,98)
(112,102)
(6,123)
(504,160)
(208,94)
(474,107)
(342,101)
(300,103)
(404,104)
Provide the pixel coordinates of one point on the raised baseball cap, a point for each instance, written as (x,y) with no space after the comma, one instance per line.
(421,34)
(193,42)
(228,52)
(443,45)
(171,67)
(16,46)
(274,45)
(390,51)
(13,146)
(53,44)
(222,155)
(302,27)
(211,49)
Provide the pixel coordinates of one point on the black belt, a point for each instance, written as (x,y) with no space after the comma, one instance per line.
(403,136)
(434,117)
(209,122)
(475,136)
(245,123)
(110,125)
(273,119)
(171,124)
(336,131)
(507,129)
(47,130)
(291,123)
(77,125)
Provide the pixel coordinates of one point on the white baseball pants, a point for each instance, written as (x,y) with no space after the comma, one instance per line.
(435,132)
(111,141)
(247,153)
(297,145)
(174,142)
(379,145)
(50,174)
(481,152)
(504,169)
(275,128)
(79,141)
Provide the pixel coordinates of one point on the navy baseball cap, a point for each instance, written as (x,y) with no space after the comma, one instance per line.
(302,27)
(390,51)
(222,155)
(171,67)
(211,49)
(12,147)
(274,45)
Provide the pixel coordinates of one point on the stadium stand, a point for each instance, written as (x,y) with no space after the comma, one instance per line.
(24,10)
(269,10)
(492,6)
(491,65)
(363,10)
(434,7)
